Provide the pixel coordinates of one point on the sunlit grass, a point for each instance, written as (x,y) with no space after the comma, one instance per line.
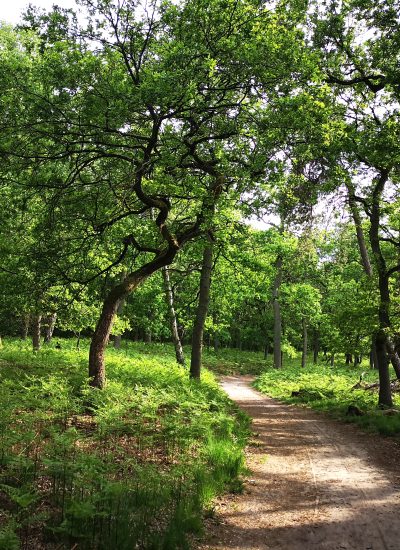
(134,465)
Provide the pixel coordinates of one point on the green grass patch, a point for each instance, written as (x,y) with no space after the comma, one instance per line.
(330,389)
(132,466)
(228,361)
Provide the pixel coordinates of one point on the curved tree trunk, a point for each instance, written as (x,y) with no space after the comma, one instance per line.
(51,324)
(201,314)
(172,317)
(103,328)
(277,314)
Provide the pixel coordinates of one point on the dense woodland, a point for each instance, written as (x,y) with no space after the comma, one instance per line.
(180,180)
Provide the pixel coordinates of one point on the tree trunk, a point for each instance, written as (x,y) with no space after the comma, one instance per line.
(359,230)
(51,323)
(315,345)
(104,325)
(332,360)
(373,358)
(394,356)
(385,397)
(36,329)
(277,314)
(304,354)
(172,317)
(201,314)
(217,344)
(25,322)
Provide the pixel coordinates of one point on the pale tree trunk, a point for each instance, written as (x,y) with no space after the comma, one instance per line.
(359,230)
(36,330)
(304,353)
(169,295)
(201,314)
(277,314)
(25,323)
(51,324)
(148,336)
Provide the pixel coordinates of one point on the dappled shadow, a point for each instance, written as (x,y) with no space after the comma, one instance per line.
(315,483)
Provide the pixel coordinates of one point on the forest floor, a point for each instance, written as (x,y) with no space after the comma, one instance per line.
(314,483)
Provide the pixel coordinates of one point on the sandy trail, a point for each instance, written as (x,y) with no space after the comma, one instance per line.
(315,484)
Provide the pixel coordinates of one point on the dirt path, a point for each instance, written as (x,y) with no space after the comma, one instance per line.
(315,484)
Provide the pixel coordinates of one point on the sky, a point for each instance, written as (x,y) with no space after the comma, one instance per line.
(10,11)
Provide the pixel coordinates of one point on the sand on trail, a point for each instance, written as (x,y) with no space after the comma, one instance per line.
(314,483)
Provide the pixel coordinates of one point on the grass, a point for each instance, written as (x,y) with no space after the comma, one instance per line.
(324,388)
(330,389)
(232,361)
(133,466)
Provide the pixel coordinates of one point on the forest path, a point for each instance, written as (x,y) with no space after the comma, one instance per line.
(316,484)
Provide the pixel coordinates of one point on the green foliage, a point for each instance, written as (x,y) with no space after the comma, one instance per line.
(132,465)
(330,389)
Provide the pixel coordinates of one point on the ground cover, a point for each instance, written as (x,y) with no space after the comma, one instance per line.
(132,466)
(333,390)
(321,387)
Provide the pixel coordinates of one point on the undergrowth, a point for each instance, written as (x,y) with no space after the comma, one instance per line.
(132,466)
(228,361)
(325,388)
(331,389)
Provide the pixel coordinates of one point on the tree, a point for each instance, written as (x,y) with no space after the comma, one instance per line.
(149,112)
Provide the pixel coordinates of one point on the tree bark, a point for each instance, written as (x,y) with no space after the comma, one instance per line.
(383,281)
(104,325)
(201,314)
(373,357)
(25,322)
(304,353)
(51,323)
(385,397)
(277,314)
(180,358)
(349,359)
(36,330)
(394,356)
(163,256)
(359,230)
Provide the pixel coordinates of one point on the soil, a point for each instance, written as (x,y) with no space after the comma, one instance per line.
(314,483)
